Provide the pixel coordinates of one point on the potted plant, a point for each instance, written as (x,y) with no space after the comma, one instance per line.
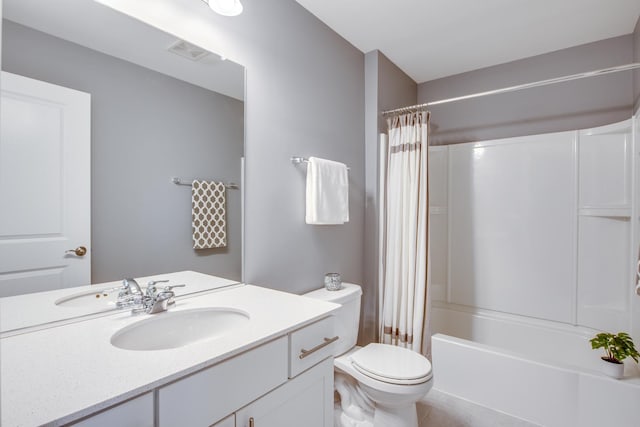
(617,348)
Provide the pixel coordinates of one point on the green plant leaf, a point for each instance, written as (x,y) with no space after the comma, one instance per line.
(617,347)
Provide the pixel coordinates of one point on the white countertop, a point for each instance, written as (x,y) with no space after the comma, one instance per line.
(29,310)
(57,375)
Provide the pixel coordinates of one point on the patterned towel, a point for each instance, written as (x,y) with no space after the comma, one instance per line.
(208,204)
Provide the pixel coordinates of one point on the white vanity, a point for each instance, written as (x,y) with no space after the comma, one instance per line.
(274,369)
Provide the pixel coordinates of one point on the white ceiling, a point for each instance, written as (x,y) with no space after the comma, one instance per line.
(429,39)
(101,28)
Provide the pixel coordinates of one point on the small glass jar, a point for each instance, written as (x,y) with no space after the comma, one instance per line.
(333,281)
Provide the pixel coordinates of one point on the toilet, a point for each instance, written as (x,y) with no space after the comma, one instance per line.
(378,384)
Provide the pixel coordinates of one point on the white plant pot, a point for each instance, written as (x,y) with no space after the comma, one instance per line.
(614,370)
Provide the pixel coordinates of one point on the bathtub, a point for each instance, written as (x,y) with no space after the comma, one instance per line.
(539,371)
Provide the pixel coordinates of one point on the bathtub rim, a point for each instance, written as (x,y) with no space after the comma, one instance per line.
(570,331)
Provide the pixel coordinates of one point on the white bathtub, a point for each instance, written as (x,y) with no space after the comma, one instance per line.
(539,371)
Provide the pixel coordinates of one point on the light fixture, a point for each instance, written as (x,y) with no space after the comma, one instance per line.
(225,7)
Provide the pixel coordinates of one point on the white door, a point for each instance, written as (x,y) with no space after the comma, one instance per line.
(45,188)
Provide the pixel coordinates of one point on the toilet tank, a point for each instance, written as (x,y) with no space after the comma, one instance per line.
(347,318)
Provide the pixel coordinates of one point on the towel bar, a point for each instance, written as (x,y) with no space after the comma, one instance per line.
(297,160)
(180,181)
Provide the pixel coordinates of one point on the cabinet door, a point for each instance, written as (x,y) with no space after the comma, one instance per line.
(209,395)
(306,400)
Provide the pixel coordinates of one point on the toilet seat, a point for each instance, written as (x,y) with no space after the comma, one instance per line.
(391,364)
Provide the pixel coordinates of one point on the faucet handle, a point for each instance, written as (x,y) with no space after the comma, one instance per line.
(130,286)
(168,294)
(128,282)
(153,282)
(151,287)
(168,288)
(125,289)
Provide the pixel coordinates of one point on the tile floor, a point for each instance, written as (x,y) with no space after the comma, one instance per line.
(439,409)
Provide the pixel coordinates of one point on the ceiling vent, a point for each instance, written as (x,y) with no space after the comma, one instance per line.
(188,50)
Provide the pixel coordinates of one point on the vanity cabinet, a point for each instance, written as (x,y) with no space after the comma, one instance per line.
(209,395)
(275,368)
(137,412)
(306,400)
(287,382)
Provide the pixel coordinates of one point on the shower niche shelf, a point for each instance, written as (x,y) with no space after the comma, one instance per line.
(606,211)
(604,226)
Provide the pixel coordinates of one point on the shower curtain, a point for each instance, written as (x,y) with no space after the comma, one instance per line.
(404,255)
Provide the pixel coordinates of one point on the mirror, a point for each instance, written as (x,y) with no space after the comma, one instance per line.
(160,108)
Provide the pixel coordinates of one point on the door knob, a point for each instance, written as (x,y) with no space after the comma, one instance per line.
(79,251)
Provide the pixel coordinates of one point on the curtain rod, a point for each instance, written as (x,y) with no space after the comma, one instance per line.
(516,88)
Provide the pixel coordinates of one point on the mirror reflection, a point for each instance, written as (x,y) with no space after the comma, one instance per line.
(99,113)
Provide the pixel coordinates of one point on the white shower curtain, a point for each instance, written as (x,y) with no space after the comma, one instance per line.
(404,254)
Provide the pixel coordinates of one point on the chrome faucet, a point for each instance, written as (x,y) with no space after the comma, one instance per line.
(130,294)
(129,287)
(150,302)
(152,291)
(161,300)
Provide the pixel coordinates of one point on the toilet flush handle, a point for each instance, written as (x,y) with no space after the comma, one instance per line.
(304,353)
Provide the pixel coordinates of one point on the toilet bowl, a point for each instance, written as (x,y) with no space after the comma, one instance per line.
(378,384)
(394,396)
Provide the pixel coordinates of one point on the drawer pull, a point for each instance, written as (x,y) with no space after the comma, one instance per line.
(304,353)
(251,423)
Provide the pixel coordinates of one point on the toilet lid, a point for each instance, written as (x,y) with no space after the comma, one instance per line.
(392,364)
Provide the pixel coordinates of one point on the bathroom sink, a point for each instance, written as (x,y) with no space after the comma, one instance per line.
(174,329)
(87,299)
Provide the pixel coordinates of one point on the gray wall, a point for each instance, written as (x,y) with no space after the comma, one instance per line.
(305,96)
(146,127)
(386,87)
(395,89)
(574,105)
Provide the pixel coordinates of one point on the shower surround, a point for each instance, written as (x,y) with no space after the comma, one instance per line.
(534,247)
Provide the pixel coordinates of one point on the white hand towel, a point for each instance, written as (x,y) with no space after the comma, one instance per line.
(327,192)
